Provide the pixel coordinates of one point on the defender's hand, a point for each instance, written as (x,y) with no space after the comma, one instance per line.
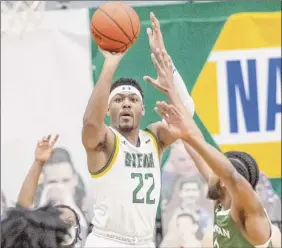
(163,65)
(45,148)
(155,34)
(180,126)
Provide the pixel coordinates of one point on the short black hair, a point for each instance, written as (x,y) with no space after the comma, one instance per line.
(246,165)
(25,228)
(127,81)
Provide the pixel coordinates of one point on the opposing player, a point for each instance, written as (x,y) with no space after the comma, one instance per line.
(123,160)
(42,227)
(240,220)
(43,152)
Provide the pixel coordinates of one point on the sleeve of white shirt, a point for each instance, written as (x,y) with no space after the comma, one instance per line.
(184,95)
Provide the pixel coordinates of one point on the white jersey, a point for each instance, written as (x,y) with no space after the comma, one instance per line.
(128,188)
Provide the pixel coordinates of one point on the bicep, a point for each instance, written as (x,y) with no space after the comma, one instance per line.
(93,136)
(98,157)
(241,192)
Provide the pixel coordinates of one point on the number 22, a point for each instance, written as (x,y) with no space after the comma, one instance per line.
(147,176)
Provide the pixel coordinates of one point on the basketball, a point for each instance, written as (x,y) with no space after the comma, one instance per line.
(115,26)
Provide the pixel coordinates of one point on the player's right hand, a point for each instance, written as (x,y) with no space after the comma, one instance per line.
(112,57)
(45,148)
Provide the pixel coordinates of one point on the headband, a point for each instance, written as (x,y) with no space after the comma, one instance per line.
(125,88)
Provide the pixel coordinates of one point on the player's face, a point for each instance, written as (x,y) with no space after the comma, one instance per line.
(190,192)
(61,173)
(69,218)
(214,188)
(125,111)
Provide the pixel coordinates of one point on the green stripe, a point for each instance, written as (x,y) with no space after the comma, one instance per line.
(110,159)
(276,184)
(156,138)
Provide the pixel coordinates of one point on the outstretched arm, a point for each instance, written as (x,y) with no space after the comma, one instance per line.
(245,201)
(94,130)
(175,89)
(43,152)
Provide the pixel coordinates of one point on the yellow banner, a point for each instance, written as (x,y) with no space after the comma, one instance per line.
(238,93)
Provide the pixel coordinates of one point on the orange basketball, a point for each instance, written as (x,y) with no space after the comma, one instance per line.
(115,26)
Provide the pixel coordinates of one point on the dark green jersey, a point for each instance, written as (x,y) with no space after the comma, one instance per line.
(226,234)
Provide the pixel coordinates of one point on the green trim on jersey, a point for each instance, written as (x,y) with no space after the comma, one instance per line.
(226,234)
(110,162)
(156,140)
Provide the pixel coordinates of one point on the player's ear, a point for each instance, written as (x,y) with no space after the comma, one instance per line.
(143,110)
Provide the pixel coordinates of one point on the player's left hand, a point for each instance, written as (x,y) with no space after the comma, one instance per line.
(155,34)
(163,65)
(180,126)
(45,148)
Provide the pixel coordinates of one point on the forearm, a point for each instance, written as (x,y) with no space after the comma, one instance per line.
(200,163)
(28,189)
(182,91)
(216,161)
(98,103)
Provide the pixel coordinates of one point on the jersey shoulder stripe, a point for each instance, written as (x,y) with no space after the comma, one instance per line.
(154,139)
(111,160)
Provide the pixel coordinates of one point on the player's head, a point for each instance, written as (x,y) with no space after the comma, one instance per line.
(190,190)
(126,104)
(71,218)
(42,227)
(59,169)
(186,224)
(246,166)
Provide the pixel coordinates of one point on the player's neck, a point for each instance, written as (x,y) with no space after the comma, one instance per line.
(132,136)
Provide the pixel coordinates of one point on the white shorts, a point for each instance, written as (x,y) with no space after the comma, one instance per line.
(94,241)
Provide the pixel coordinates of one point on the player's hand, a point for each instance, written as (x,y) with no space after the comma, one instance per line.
(111,56)
(155,34)
(163,65)
(180,126)
(45,148)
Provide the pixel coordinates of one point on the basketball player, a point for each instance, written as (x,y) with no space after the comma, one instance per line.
(122,159)
(239,220)
(42,227)
(43,152)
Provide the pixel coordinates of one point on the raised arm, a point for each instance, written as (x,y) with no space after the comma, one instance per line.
(245,201)
(43,152)
(172,86)
(94,129)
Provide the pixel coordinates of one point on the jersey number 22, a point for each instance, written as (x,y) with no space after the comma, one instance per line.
(141,177)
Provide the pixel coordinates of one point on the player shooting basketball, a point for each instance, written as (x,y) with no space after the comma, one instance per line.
(124,160)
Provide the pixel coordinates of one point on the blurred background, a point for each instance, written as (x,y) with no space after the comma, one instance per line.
(229,55)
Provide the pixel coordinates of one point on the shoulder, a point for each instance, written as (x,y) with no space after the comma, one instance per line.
(157,129)
(151,131)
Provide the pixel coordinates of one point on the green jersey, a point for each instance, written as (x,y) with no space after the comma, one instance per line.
(227,235)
